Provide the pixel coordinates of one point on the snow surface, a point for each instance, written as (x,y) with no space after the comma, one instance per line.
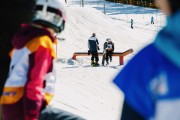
(88,91)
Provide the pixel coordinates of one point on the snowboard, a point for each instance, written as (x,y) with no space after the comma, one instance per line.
(95,65)
(103,57)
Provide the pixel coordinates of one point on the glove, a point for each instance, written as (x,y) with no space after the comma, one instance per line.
(89,52)
(98,47)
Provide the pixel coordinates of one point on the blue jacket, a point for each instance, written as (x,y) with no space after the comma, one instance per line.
(151,80)
(93,44)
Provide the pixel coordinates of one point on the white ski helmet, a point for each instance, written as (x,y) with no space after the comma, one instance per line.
(50,13)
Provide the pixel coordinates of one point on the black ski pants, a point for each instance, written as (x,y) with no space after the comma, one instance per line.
(108,55)
(94,56)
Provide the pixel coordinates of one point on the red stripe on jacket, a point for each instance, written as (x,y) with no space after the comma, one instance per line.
(40,63)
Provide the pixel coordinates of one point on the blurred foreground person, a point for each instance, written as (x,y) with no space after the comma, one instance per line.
(150,81)
(30,85)
(21,12)
(13,14)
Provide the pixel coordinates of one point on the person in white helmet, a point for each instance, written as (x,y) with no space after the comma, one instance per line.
(30,85)
(108,50)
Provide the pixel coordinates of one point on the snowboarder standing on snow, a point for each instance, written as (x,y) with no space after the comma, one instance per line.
(132,23)
(109,48)
(93,45)
(152,20)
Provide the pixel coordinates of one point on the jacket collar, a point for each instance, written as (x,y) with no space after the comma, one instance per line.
(168,39)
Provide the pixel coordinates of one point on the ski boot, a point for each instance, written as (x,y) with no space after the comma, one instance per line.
(107,63)
(95,65)
(92,63)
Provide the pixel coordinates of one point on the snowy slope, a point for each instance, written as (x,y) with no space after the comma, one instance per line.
(88,91)
(82,22)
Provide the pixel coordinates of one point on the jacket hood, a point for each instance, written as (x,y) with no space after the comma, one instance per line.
(27,33)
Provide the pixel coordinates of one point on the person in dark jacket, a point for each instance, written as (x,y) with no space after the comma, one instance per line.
(93,45)
(109,50)
(150,80)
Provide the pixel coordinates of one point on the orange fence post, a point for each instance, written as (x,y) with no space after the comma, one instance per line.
(74,57)
(121,60)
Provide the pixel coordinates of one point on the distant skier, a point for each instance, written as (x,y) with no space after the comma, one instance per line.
(109,50)
(152,20)
(132,22)
(93,45)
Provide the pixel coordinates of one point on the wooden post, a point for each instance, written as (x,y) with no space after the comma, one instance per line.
(104,7)
(74,57)
(121,60)
(82,3)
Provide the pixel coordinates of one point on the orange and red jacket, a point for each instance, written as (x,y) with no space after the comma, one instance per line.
(30,84)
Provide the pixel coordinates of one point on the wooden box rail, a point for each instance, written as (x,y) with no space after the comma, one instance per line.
(121,55)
